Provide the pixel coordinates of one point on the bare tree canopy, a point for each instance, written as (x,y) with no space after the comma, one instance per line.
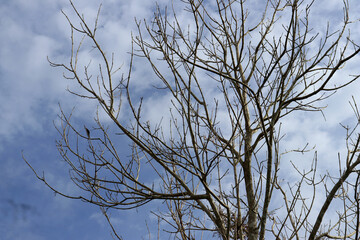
(231,74)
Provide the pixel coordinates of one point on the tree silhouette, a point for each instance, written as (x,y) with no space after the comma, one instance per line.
(214,160)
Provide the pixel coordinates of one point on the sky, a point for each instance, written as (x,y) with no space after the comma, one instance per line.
(30,94)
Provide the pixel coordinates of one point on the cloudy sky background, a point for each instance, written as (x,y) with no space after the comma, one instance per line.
(31,90)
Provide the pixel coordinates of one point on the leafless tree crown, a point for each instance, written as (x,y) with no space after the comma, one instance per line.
(231,75)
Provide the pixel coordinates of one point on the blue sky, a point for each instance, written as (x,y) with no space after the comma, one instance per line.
(31,90)
(30,93)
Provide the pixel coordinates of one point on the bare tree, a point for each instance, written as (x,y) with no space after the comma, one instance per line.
(216,164)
